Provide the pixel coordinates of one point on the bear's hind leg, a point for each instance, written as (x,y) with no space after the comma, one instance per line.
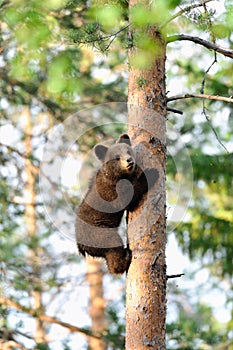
(118,259)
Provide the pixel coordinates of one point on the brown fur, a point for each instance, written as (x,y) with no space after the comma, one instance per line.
(118,186)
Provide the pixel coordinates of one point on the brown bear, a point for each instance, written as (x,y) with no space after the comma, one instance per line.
(118,185)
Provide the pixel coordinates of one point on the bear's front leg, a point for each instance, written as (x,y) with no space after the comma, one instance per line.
(150,177)
(142,185)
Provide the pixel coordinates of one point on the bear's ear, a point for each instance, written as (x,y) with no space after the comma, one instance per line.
(100,151)
(124,138)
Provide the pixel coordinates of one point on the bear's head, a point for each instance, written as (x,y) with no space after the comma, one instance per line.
(119,159)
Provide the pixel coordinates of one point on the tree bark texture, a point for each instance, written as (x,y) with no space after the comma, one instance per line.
(146,279)
(96,303)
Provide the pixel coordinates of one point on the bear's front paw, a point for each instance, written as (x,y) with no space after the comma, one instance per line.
(152,176)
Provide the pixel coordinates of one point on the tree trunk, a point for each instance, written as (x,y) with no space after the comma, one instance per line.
(96,303)
(30,220)
(146,279)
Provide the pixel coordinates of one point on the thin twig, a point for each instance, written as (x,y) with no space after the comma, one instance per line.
(204,106)
(175,276)
(208,97)
(14,150)
(209,21)
(174,110)
(202,91)
(199,41)
(213,129)
(213,39)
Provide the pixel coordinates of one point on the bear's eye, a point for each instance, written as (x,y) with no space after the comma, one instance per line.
(117,157)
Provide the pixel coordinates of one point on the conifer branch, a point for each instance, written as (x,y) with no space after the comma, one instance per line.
(184,10)
(106,37)
(199,41)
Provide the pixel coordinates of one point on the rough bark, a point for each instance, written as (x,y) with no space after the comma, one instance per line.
(96,303)
(146,279)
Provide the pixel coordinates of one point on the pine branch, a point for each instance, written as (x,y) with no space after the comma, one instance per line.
(199,41)
(208,97)
(186,9)
(11,303)
(107,37)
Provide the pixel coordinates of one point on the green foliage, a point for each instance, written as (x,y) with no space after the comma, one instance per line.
(222,27)
(25,20)
(115,333)
(172,4)
(108,16)
(147,50)
(63,76)
(104,22)
(196,329)
(49,66)
(87,33)
(143,16)
(42,346)
(220,30)
(209,230)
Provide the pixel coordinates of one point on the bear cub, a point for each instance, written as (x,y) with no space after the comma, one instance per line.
(117,186)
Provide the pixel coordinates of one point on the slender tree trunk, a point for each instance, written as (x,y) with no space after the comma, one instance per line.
(96,302)
(30,220)
(146,279)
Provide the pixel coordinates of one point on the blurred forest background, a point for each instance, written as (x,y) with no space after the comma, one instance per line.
(63,70)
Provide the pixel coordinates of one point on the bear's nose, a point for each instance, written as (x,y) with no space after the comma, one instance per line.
(129,160)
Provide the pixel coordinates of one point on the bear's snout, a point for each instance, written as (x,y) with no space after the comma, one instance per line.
(128,163)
